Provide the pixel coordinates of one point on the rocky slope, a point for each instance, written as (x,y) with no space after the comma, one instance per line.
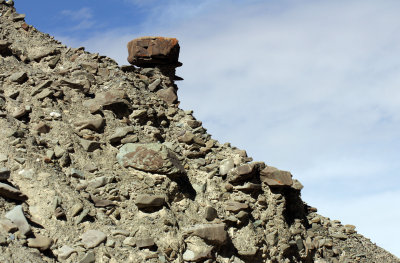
(99,164)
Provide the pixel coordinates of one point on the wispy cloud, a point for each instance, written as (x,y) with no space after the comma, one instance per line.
(83,18)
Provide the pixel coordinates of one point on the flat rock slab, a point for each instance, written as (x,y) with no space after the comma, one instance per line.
(151,51)
(95,124)
(235,207)
(93,238)
(150,157)
(241,173)
(19,77)
(145,242)
(65,252)
(8,191)
(212,233)
(104,99)
(145,201)
(275,177)
(40,242)
(16,215)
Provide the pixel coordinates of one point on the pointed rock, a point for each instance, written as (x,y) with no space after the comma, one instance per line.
(16,215)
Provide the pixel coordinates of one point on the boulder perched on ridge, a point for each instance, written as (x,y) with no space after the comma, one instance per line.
(151,51)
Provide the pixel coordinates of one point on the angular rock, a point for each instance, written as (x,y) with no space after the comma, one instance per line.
(19,77)
(241,173)
(129,241)
(46,93)
(8,226)
(197,254)
(89,257)
(98,182)
(101,202)
(120,133)
(21,112)
(40,242)
(226,166)
(168,95)
(145,201)
(274,177)
(95,124)
(235,207)
(110,98)
(93,238)
(153,86)
(16,215)
(65,252)
(145,242)
(186,138)
(89,146)
(42,127)
(8,191)
(150,51)
(4,173)
(212,233)
(151,157)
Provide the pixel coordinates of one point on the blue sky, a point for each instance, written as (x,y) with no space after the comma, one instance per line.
(307,86)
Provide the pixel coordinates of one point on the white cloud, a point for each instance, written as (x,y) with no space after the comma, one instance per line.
(83,17)
(308,86)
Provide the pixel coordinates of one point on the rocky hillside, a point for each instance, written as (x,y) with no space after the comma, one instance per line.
(99,164)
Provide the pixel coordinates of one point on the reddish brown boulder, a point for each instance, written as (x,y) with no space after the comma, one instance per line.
(151,51)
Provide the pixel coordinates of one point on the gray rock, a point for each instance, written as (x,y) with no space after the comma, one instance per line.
(168,95)
(40,242)
(89,146)
(95,124)
(274,177)
(3,157)
(144,243)
(151,157)
(65,252)
(18,17)
(98,182)
(235,206)
(45,94)
(93,238)
(145,201)
(20,113)
(210,213)
(19,77)
(89,257)
(120,133)
(129,241)
(16,215)
(226,166)
(59,151)
(107,99)
(242,173)
(41,87)
(153,86)
(4,173)
(8,226)
(197,254)
(212,233)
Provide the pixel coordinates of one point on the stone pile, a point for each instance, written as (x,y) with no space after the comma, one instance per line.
(99,164)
